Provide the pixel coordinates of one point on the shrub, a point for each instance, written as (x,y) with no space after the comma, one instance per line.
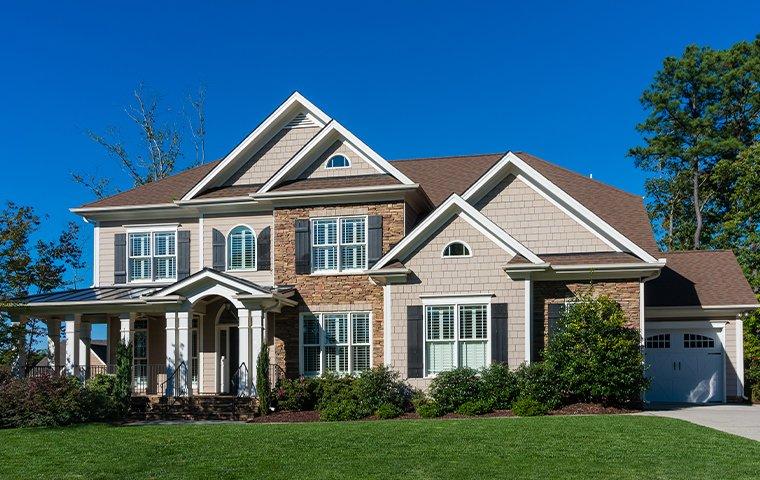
(429,410)
(380,386)
(595,356)
(331,386)
(124,372)
(539,381)
(453,388)
(388,410)
(529,407)
(499,386)
(263,388)
(42,401)
(343,407)
(296,394)
(102,398)
(476,407)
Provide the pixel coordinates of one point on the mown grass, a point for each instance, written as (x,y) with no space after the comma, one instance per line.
(583,447)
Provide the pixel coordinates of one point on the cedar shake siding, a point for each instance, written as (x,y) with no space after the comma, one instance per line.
(358,165)
(479,274)
(327,293)
(534,221)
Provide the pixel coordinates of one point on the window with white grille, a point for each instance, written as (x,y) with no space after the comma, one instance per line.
(456,336)
(152,256)
(339,244)
(241,249)
(335,342)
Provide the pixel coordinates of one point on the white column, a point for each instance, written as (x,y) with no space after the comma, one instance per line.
(387,327)
(85,338)
(739,325)
(244,352)
(528,320)
(257,340)
(183,354)
(73,324)
(126,325)
(54,343)
(19,366)
(171,350)
(642,315)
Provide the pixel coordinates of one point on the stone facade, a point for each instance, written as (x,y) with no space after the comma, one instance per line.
(327,293)
(625,292)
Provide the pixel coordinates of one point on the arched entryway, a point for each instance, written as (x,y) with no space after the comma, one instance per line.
(217,344)
(227,348)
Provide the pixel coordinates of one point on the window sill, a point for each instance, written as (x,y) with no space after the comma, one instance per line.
(241,270)
(338,273)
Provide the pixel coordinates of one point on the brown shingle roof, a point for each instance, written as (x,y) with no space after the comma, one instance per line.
(694,278)
(337,182)
(165,190)
(228,191)
(590,258)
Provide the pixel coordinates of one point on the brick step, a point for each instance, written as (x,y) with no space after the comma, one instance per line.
(193,408)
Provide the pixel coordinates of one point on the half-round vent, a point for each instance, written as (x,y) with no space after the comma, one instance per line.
(302,120)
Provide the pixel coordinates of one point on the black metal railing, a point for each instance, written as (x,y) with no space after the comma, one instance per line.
(174,379)
(146,378)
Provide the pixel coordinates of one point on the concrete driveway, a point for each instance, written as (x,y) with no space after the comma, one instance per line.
(742,420)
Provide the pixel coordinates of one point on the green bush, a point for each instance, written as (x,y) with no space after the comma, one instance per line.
(388,410)
(595,356)
(295,395)
(263,388)
(429,410)
(499,386)
(539,381)
(529,407)
(102,398)
(343,407)
(330,387)
(453,388)
(476,407)
(380,386)
(44,401)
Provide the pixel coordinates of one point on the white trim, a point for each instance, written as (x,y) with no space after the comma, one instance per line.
(334,129)
(331,191)
(642,309)
(96,255)
(326,167)
(457,205)
(698,311)
(463,298)
(561,196)
(338,244)
(322,344)
(200,241)
(227,250)
(209,275)
(387,326)
(151,227)
(288,106)
(528,301)
(739,325)
(466,245)
(151,231)
(687,324)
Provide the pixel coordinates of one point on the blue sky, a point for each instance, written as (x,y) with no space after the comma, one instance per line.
(412,79)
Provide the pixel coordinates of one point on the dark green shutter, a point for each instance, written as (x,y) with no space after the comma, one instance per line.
(120,258)
(499,332)
(264,250)
(414,341)
(183,254)
(218,253)
(374,239)
(303,246)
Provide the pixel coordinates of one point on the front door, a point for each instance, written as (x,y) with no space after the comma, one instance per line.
(227,341)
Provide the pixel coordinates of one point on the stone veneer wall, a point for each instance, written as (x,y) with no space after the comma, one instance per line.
(625,292)
(327,293)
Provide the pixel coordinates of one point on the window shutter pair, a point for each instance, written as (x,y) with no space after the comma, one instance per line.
(303,243)
(263,250)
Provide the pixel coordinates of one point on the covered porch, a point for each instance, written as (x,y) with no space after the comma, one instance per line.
(199,336)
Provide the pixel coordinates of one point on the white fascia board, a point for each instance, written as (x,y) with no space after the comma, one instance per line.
(293,102)
(207,275)
(452,206)
(90,210)
(332,132)
(563,197)
(332,191)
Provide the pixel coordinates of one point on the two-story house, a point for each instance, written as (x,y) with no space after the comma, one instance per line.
(306,241)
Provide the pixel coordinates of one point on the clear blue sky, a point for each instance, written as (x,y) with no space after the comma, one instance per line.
(411,78)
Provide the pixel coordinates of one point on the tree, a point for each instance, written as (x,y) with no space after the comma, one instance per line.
(160,142)
(263,388)
(28,267)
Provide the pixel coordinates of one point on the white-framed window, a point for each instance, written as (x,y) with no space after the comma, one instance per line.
(140,352)
(241,249)
(338,161)
(152,256)
(555,313)
(456,333)
(335,342)
(456,249)
(338,244)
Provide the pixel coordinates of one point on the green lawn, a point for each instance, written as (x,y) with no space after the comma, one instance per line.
(548,447)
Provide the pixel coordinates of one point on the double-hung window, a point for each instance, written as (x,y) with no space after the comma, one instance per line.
(140,352)
(339,244)
(241,253)
(335,342)
(456,335)
(152,256)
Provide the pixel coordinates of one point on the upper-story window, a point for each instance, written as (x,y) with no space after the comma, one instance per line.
(339,244)
(457,249)
(241,249)
(152,256)
(338,161)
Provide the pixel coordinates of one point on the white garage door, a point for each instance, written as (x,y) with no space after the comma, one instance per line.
(685,366)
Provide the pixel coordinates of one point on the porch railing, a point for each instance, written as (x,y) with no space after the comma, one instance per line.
(173,380)
(146,379)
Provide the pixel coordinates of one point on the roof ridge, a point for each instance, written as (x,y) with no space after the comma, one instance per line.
(448,156)
(579,174)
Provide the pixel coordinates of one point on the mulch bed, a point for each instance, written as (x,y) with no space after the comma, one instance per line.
(574,409)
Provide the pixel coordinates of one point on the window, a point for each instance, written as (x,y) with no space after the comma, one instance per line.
(241,249)
(152,256)
(140,352)
(338,161)
(456,336)
(556,311)
(335,342)
(457,249)
(333,252)
(693,340)
(661,340)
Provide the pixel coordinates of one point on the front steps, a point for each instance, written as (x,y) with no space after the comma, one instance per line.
(197,407)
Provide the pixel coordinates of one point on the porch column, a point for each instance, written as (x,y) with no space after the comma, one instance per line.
(126,324)
(54,343)
(85,339)
(245,387)
(528,320)
(171,350)
(73,326)
(183,354)
(257,340)
(19,366)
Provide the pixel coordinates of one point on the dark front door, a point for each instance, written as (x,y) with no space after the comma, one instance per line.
(234,360)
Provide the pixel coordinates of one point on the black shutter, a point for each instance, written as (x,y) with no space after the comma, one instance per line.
(183,254)
(414,341)
(374,239)
(120,258)
(499,333)
(218,253)
(303,246)
(264,250)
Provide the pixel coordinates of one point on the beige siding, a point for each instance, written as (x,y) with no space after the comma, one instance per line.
(207,353)
(536,222)
(107,231)
(273,155)
(480,274)
(225,223)
(359,166)
(731,359)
